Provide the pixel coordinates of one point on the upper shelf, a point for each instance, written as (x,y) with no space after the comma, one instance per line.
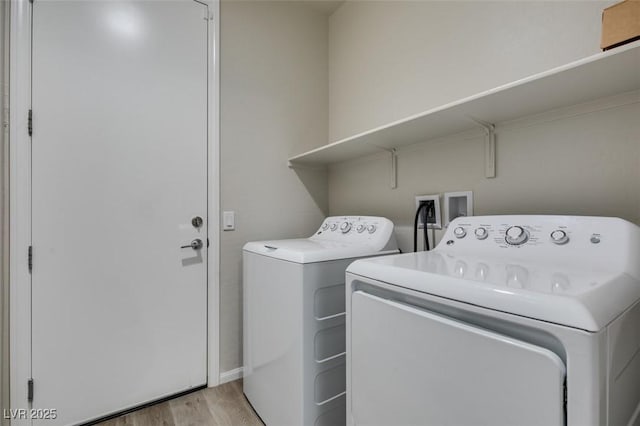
(609,73)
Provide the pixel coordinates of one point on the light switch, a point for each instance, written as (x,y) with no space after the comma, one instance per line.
(228,220)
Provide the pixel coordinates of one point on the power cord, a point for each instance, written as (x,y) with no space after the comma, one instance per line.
(431,212)
(433,236)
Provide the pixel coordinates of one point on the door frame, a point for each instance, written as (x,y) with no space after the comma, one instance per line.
(20,200)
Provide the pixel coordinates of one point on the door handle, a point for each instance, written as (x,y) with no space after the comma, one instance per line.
(195,244)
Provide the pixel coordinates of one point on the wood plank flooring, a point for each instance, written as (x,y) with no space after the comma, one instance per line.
(224,405)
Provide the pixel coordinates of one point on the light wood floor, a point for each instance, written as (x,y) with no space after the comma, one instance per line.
(223,405)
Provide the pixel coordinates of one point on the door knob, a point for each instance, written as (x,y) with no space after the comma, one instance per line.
(195,244)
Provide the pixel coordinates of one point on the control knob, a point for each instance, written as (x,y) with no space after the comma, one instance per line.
(559,237)
(459,232)
(481,233)
(325,226)
(345,227)
(361,228)
(371,228)
(334,226)
(516,235)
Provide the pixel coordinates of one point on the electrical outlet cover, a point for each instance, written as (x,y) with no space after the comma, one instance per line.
(457,204)
(436,199)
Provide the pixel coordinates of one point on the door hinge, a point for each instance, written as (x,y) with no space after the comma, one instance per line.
(30,390)
(30,123)
(30,258)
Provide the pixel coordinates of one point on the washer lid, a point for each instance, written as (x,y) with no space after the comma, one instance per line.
(305,250)
(587,299)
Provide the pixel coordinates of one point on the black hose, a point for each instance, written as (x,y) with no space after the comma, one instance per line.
(425,230)
(415,229)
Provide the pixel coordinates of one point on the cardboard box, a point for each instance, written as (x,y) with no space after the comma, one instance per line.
(620,24)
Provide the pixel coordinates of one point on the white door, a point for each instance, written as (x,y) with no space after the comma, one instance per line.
(412,367)
(119,171)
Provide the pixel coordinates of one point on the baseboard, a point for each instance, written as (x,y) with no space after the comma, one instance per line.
(231,375)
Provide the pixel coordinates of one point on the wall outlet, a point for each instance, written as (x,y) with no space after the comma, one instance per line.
(457,204)
(433,218)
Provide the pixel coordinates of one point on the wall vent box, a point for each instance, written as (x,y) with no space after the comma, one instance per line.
(620,24)
(457,204)
(435,220)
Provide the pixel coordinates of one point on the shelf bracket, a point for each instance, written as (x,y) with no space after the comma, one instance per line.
(489,147)
(394,168)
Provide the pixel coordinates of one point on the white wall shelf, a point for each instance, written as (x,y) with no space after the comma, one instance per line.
(598,76)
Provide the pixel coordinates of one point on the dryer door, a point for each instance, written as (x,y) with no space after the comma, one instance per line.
(413,367)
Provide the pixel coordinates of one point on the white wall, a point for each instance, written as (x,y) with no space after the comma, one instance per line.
(392,59)
(274,89)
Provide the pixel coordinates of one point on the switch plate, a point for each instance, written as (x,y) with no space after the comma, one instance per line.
(228,220)
(434,222)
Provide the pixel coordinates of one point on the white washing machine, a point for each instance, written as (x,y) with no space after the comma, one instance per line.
(294,319)
(511,320)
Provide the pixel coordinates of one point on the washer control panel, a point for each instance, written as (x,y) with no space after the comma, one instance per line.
(354,229)
(530,233)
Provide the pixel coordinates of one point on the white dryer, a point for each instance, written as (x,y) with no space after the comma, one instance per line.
(294,319)
(527,320)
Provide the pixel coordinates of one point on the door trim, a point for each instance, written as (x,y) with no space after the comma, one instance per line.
(20,200)
(213,173)
(19,205)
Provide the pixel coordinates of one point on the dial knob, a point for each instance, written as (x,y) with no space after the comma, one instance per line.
(459,232)
(371,229)
(516,235)
(559,237)
(481,233)
(325,226)
(334,226)
(361,228)
(345,227)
